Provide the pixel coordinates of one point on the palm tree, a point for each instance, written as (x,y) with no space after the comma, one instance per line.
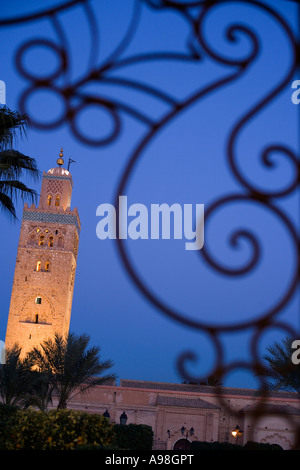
(14,378)
(39,391)
(13,164)
(71,367)
(282,372)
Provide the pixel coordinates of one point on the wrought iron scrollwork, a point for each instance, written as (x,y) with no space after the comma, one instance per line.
(198,47)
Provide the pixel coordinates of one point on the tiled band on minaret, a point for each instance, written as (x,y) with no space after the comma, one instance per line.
(43,285)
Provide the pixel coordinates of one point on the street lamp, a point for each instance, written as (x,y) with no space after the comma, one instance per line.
(237,431)
(191,431)
(123,418)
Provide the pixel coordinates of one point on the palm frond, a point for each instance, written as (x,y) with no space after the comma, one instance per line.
(71,366)
(280,370)
(14,164)
(7,205)
(12,123)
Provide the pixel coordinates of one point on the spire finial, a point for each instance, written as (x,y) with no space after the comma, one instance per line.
(60,160)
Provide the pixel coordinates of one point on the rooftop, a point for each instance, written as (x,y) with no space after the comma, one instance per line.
(141,384)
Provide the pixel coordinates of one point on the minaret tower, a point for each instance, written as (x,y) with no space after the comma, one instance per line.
(43,285)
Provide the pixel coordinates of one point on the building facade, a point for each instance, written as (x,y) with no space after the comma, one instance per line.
(180,413)
(42,292)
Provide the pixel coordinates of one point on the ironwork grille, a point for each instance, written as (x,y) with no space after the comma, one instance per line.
(223,49)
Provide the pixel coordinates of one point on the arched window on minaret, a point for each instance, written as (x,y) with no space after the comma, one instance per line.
(57,200)
(38,265)
(47,266)
(50,241)
(49,199)
(41,240)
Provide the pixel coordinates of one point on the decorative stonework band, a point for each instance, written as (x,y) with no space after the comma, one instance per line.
(51,217)
(55,177)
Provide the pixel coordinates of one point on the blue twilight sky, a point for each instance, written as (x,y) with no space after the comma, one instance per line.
(184,161)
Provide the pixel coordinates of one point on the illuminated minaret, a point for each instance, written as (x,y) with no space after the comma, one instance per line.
(43,285)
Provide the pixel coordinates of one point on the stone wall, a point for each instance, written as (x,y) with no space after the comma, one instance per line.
(168,407)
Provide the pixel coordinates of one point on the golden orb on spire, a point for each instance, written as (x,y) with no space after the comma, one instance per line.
(60,160)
